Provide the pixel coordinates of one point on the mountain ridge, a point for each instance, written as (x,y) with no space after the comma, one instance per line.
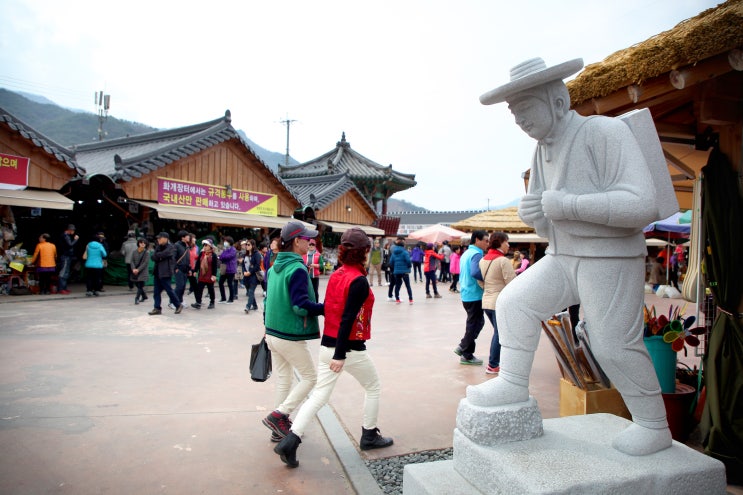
(69,127)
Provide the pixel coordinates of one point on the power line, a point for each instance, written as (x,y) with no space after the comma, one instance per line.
(46,90)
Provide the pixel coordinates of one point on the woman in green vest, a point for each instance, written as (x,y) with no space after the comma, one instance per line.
(291,311)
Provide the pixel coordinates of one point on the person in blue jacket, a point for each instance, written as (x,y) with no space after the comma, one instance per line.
(400,265)
(94,255)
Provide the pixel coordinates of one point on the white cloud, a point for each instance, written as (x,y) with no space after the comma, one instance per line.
(402,79)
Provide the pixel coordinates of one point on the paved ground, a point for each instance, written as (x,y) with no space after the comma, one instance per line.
(98,397)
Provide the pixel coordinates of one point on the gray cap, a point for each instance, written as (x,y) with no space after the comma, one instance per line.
(296,229)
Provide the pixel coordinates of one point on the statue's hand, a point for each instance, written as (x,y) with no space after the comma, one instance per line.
(530,208)
(552,204)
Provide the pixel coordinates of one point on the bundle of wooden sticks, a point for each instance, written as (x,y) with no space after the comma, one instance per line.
(573,353)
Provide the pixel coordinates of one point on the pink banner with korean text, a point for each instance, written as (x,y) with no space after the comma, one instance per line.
(180,193)
(13,171)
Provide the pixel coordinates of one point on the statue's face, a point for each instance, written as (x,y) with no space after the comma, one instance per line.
(532,114)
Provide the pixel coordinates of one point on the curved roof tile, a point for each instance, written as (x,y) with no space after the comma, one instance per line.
(39,140)
(326,189)
(131,157)
(343,159)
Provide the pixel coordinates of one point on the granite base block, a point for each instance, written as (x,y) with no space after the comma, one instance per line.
(574,456)
(496,425)
(437,477)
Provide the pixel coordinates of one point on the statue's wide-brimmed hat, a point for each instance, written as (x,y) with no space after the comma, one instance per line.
(530,74)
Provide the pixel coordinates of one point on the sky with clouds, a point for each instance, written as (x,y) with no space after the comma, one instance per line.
(400,78)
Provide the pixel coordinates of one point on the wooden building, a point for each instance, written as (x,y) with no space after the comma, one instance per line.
(335,203)
(201,173)
(376,182)
(34,173)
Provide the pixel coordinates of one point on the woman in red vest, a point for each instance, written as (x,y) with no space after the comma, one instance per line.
(348,310)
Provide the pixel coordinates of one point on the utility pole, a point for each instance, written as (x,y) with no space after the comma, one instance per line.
(103,102)
(288,124)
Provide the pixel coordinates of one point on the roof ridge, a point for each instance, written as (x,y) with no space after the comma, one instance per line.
(39,139)
(155,135)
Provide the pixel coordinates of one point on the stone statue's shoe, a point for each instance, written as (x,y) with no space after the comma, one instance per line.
(496,392)
(638,440)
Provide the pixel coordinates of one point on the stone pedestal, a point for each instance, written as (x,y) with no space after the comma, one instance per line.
(490,426)
(573,456)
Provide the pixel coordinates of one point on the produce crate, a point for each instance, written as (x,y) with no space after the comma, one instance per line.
(575,401)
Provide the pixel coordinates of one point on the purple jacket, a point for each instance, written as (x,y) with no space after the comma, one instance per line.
(229,259)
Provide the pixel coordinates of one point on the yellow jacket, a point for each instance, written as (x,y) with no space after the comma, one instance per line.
(46,253)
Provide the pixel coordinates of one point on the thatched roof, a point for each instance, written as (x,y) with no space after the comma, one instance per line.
(712,32)
(505,220)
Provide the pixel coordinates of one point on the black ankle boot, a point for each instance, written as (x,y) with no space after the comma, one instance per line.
(371,439)
(287,449)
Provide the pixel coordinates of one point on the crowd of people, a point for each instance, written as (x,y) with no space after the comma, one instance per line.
(184,266)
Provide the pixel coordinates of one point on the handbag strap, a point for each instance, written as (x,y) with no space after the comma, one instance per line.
(488,269)
(182,256)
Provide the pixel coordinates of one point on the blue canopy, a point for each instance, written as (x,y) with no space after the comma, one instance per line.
(670,225)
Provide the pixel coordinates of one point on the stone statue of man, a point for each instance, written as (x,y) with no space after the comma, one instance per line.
(590,193)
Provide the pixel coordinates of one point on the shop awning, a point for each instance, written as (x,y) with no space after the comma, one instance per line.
(339,227)
(214,216)
(33,198)
(526,239)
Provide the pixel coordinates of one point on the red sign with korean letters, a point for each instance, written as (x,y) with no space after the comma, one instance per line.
(13,171)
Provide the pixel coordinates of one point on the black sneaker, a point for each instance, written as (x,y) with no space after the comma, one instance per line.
(275,438)
(211,305)
(278,423)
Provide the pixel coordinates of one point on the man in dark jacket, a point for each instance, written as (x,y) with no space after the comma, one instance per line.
(164,258)
(66,257)
(182,263)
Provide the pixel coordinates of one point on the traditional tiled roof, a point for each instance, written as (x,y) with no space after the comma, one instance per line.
(320,192)
(360,169)
(39,140)
(132,157)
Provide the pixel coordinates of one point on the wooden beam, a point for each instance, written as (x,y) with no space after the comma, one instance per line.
(679,165)
(642,94)
(675,130)
(710,68)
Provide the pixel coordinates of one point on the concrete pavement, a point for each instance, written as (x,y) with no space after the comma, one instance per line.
(97,396)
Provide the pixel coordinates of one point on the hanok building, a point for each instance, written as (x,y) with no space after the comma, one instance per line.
(334,203)
(202,178)
(34,173)
(375,182)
